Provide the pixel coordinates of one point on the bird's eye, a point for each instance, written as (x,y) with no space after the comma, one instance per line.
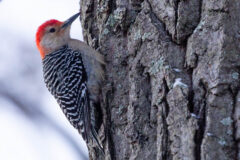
(52,30)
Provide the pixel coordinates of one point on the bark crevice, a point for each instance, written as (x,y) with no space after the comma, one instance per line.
(166,146)
(234,123)
(159,25)
(200,113)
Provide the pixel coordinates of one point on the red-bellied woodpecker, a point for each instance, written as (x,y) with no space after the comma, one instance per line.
(73,73)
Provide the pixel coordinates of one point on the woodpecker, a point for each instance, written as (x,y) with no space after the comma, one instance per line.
(73,73)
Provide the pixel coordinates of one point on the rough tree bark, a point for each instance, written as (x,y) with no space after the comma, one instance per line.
(172,77)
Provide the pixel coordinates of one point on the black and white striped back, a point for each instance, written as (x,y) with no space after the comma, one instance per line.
(66,79)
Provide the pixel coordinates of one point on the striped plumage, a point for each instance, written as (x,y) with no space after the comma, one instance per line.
(66,79)
(73,73)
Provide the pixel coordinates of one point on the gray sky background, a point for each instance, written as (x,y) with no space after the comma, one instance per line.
(21,83)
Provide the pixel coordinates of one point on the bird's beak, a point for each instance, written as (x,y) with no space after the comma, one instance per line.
(69,21)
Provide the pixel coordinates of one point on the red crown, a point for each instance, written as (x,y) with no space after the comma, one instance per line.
(41,30)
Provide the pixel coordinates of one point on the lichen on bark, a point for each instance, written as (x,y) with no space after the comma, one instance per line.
(172,77)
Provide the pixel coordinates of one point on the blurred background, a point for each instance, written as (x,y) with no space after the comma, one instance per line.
(32,125)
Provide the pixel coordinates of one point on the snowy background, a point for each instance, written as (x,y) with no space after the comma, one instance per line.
(32,126)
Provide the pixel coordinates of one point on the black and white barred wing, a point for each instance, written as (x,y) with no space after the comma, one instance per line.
(66,79)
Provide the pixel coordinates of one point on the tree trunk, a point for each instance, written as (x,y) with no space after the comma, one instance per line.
(172,77)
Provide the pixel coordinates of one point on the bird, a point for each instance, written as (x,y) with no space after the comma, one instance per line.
(73,73)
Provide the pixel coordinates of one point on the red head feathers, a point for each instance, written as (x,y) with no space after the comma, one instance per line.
(41,31)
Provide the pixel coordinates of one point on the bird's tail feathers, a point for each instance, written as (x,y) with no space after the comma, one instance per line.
(96,139)
(89,128)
